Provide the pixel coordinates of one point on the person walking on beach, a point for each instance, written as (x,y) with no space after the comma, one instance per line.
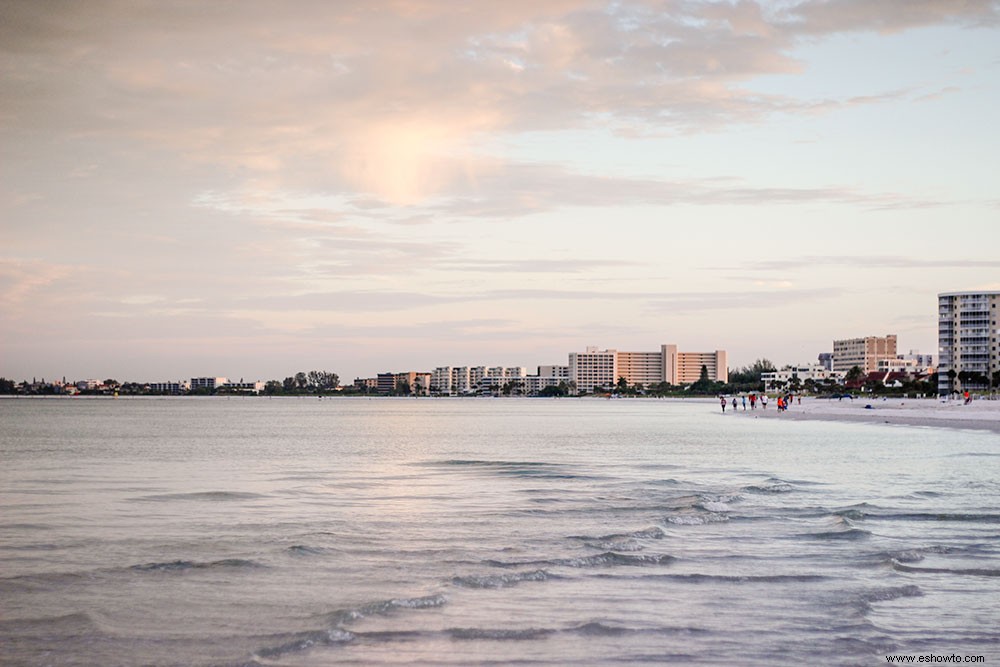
(753,401)
(763,401)
(722,400)
(734,404)
(744,404)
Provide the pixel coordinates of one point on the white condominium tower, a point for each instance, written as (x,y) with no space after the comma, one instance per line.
(967,341)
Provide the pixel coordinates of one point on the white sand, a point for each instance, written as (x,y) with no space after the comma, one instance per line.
(981,414)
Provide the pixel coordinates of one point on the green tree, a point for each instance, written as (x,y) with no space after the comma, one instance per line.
(301,381)
(749,377)
(622,386)
(272,387)
(854,374)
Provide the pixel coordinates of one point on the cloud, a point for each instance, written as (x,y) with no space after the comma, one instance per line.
(868,262)
(741,300)
(388,98)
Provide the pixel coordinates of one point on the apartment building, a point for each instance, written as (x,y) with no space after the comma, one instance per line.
(457,380)
(645,368)
(967,341)
(688,365)
(366,384)
(554,371)
(211,384)
(865,353)
(595,368)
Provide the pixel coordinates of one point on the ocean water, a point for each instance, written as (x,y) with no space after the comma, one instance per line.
(478,532)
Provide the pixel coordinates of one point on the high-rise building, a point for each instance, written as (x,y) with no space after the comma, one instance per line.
(864,353)
(602,368)
(593,368)
(967,341)
(689,365)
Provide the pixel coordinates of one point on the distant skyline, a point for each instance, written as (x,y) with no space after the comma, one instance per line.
(250,189)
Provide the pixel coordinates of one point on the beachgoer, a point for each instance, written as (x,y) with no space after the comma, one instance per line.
(763,401)
(734,404)
(753,401)
(722,400)
(744,404)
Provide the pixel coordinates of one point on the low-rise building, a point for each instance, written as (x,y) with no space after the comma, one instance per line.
(366,384)
(241,387)
(170,387)
(796,376)
(207,383)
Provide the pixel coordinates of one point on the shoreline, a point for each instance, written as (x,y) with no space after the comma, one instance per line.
(980,415)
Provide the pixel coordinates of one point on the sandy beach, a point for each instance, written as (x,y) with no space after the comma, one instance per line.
(980,414)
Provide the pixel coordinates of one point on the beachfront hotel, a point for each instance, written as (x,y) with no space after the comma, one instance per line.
(601,368)
(865,353)
(967,340)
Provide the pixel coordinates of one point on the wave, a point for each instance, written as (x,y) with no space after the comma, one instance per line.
(591,629)
(384,607)
(974,572)
(19,527)
(305,641)
(696,578)
(618,545)
(893,593)
(76,622)
(337,635)
(714,506)
(690,519)
(529,469)
(938,516)
(849,534)
(501,580)
(917,554)
(212,496)
(499,634)
(769,488)
(304,550)
(607,559)
(622,541)
(180,565)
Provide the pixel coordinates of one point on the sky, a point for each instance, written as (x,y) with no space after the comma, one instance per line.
(250,189)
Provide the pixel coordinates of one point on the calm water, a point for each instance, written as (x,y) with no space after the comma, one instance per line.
(530,532)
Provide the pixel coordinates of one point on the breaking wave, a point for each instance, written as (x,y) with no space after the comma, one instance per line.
(501,580)
(607,559)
